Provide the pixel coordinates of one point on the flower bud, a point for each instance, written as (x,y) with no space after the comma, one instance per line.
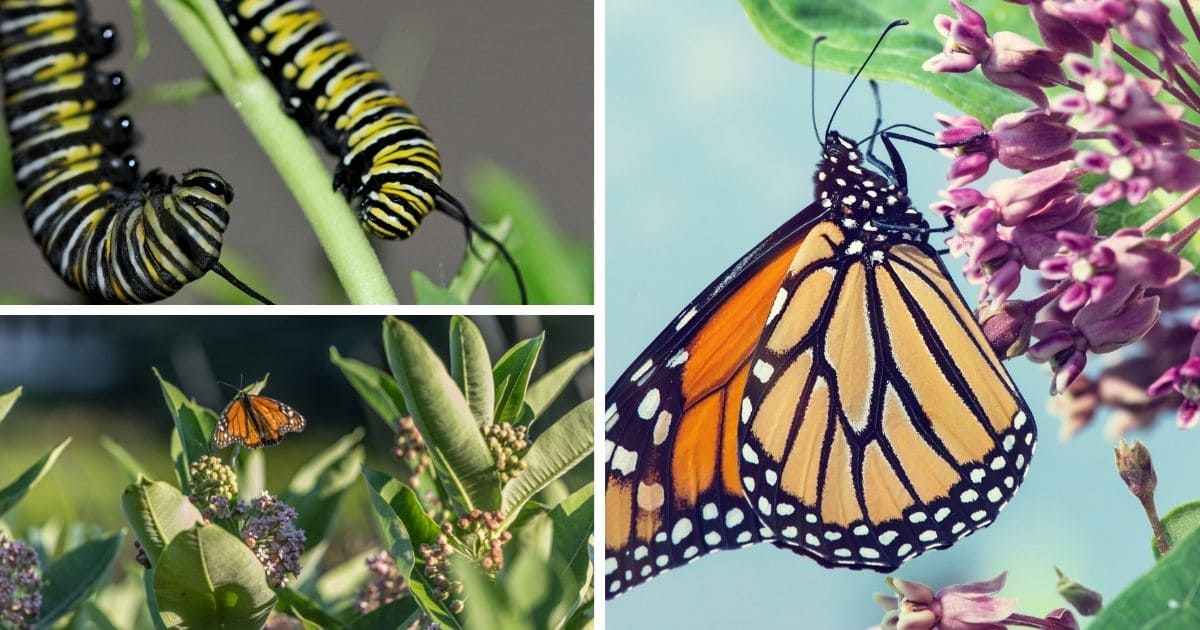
(1135,468)
(1084,599)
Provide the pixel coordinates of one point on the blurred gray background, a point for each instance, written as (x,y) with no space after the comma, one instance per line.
(508,83)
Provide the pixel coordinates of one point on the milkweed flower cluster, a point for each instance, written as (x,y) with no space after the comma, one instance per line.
(410,448)
(270,532)
(972,606)
(1112,135)
(20,584)
(213,488)
(386,586)
(507,443)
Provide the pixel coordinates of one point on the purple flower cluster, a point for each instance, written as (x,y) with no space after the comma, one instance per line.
(270,531)
(972,606)
(1112,133)
(386,586)
(20,584)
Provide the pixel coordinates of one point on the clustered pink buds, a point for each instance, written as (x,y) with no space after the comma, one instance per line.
(1111,133)
(971,606)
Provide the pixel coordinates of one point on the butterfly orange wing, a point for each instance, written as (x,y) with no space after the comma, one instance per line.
(256,421)
(672,491)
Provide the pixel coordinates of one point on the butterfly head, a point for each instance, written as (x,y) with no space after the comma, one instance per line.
(869,205)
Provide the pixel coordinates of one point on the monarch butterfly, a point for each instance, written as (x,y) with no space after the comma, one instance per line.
(108,233)
(830,393)
(387,160)
(255,421)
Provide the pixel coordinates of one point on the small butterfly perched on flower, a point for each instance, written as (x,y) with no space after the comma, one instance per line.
(255,421)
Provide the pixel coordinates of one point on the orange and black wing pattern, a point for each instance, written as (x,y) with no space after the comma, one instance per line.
(672,488)
(877,421)
(831,393)
(255,421)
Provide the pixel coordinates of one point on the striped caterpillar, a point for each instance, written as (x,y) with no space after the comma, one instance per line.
(387,161)
(107,232)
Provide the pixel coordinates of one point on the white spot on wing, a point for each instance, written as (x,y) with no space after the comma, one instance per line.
(649,404)
(624,461)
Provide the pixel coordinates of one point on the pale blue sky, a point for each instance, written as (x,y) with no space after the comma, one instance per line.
(709,148)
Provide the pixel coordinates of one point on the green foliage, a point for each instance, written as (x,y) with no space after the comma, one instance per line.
(557,269)
(69,578)
(1166,596)
(72,577)
(546,580)
(480,257)
(853,26)
(208,575)
(1178,524)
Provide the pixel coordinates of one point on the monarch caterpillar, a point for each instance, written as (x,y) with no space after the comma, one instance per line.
(387,159)
(830,393)
(108,233)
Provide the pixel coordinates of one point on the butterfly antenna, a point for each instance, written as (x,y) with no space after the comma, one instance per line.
(879,41)
(812,108)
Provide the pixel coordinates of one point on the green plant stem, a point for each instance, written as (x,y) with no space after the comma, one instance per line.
(1160,537)
(203,26)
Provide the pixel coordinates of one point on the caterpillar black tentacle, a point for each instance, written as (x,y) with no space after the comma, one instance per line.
(387,161)
(107,232)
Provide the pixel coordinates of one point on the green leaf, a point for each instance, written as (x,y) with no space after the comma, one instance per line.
(550,260)
(317,489)
(511,376)
(406,526)
(852,28)
(157,512)
(574,523)
(250,466)
(72,577)
(401,613)
(125,460)
(460,455)
(1166,596)
(376,387)
(476,262)
(7,401)
(151,600)
(193,423)
(405,523)
(1178,524)
(543,391)
(528,594)
(426,291)
(13,492)
(337,587)
(300,606)
(558,449)
(471,368)
(207,577)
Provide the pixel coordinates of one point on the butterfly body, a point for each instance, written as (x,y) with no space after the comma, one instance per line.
(829,393)
(255,421)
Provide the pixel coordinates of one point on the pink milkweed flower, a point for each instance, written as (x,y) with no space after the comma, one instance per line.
(1033,139)
(1146,24)
(1113,97)
(972,606)
(1095,265)
(1006,59)
(973,160)
(1019,197)
(1059,30)
(1184,379)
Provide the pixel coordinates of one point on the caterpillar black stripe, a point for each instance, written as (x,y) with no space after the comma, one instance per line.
(387,160)
(107,232)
